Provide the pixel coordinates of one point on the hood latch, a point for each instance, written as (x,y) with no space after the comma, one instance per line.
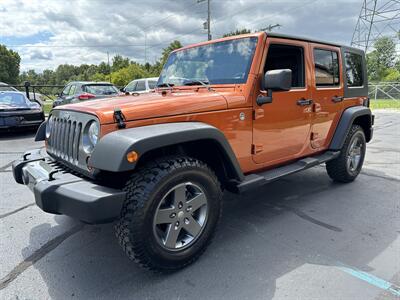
(119,118)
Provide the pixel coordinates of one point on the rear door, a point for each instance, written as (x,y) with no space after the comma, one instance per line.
(327,93)
(281,129)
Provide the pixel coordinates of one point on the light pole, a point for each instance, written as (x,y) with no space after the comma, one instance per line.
(207,24)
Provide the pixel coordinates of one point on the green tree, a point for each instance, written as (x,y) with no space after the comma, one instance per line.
(382,58)
(123,76)
(237,32)
(103,68)
(9,65)
(119,62)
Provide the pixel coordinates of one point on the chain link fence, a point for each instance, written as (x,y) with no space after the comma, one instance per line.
(384,91)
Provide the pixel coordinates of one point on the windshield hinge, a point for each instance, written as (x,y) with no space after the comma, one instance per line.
(119,118)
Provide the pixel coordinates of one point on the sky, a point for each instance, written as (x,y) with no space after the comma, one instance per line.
(47,33)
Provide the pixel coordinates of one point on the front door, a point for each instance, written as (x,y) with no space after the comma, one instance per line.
(327,93)
(281,129)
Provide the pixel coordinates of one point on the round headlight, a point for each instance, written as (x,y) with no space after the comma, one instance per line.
(93,133)
(49,126)
(90,136)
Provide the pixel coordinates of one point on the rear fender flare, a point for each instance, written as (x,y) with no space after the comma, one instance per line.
(347,119)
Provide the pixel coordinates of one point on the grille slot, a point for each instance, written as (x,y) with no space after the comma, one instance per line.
(65,139)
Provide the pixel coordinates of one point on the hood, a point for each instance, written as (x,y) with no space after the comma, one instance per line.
(152,105)
(10,107)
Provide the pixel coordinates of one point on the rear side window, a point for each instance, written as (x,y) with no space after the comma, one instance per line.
(326,67)
(152,84)
(354,72)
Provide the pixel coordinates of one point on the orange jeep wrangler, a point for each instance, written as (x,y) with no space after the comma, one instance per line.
(233,113)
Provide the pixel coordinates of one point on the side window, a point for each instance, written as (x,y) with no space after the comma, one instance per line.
(72,90)
(354,71)
(152,84)
(287,57)
(131,86)
(141,86)
(66,90)
(326,67)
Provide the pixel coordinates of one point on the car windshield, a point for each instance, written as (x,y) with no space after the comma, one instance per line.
(98,89)
(226,62)
(5,88)
(12,99)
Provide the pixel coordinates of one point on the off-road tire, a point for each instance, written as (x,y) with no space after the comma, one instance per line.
(145,189)
(337,168)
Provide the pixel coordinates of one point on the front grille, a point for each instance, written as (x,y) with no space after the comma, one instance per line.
(65,139)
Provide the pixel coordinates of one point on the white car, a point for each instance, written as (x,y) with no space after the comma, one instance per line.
(141,86)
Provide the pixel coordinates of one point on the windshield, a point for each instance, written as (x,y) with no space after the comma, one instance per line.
(97,89)
(218,63)
(13,99)
(7,88)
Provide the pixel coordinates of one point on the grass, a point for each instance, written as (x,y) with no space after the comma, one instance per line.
(385,104)
(47,107)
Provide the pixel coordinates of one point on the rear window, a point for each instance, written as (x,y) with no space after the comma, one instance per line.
(354,72)
(97,89)
(326,67)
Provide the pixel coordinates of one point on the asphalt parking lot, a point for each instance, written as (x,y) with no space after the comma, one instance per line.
(302,237)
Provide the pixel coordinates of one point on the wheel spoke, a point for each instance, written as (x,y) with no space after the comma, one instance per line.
(172,236)
(164,216)
(179,195)
(197,202)
(356,161)
(193,228)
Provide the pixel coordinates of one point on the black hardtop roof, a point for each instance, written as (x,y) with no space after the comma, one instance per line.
(306,39)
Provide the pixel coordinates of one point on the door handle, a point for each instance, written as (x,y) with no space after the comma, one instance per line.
(304,102)
(337,99)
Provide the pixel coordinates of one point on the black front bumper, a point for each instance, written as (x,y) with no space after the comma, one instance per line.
(60,192)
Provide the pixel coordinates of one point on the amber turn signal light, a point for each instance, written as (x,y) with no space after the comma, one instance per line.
(132,156)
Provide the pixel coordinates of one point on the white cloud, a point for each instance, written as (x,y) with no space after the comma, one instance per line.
(84,31)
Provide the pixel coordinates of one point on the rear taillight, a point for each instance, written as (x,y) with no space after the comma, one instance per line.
(86,96)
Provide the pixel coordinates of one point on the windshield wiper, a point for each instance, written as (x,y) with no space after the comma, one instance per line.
(196,81)
(165,84)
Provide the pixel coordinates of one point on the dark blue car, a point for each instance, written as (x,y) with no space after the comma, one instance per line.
(16,110)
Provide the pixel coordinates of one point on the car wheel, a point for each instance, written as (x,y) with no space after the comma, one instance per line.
(171,212)
(346,167)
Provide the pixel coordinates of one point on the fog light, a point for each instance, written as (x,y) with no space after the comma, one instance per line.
(132,156)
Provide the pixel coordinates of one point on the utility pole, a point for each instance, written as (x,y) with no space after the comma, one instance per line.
(109,67)
(207,24)
(377,18)
(145,47)
(270,27)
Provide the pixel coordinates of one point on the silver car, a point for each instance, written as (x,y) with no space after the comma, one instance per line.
(141,86)
(77,91)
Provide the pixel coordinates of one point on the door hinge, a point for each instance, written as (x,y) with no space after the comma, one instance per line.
(258,113)
(256,148)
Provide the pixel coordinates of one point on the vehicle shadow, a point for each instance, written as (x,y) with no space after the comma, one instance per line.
(17,134)
(263,236)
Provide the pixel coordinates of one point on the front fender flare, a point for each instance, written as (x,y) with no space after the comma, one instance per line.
(110,153)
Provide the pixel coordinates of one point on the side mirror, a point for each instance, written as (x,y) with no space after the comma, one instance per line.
(275,80)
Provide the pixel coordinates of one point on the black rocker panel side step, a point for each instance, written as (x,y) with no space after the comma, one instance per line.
(254,180)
